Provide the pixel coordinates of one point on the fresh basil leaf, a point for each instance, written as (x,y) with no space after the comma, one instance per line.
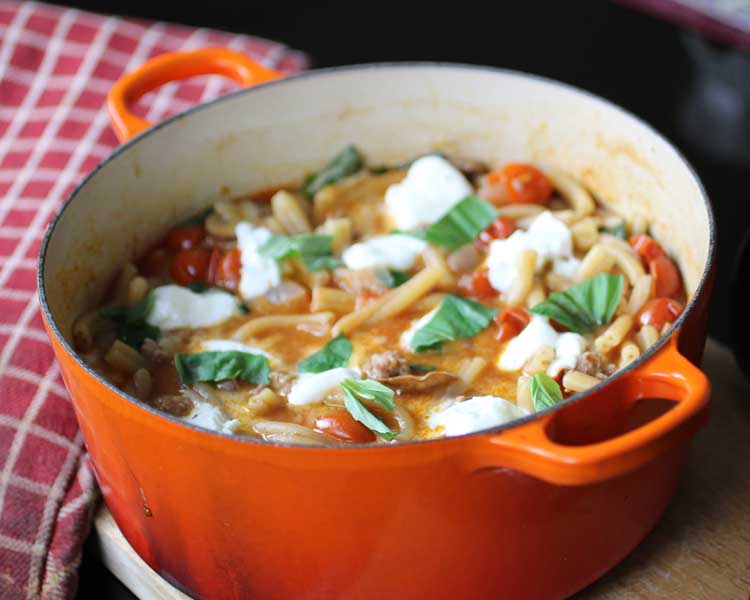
(462,223)
(334,354)
(243,307)
(545,392)
(584,305)
(346,163)
(399,277)
(368,389)
(220,366)
(314,250)
(130,321)
(198,287)
(422,368)
(617,231)
(198,219)
(456,318)
(390,277)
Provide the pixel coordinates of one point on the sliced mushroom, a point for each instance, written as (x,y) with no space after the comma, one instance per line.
(419,383)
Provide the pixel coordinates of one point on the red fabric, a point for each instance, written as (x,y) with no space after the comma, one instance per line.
(56,66)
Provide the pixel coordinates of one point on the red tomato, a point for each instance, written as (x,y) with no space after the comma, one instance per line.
(481,286)
(191,266)
(646,247)
(225,269)
(665,276)
(184,238)
(659,311)
(500,229)
(511,322)
(516,183)
(341,425)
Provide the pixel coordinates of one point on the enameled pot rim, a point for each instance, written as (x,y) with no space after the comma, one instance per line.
(290,80)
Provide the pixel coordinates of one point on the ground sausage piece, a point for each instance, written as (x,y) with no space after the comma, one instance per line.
(174,404)
(386,364)
(594,364)
(154,352)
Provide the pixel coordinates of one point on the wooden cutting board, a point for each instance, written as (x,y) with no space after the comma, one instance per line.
(699,551)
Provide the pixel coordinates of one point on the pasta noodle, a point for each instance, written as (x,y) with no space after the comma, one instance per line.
(540,361)
(142,384)
(340,229)
(524,280)
(614,334)
(290,433)
(578,197)
(628,353)
(647,337)
(123,357)
(317,323)
(626,259)
(597,260)
(640,294)
(287,210)
(520,211)
(137,289)
(585,234)
(575,381)
(331,299)
(523,393)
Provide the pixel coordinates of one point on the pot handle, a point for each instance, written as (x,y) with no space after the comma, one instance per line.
(170,67)
(531,448)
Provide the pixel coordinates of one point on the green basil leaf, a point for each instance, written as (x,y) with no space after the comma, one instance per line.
(462,223)
(584,305)
(243,307)
(130,321)
(422,368)
(545,392)
(390,277)
(198,287)
(220,366)
(456,318)
(399,277)
(420,234)
(346,163)
(368,389)
(314,249)
(617,231)
(334,354)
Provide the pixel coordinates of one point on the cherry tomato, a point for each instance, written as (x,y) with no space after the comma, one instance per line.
(184,238)
(481,286)
(510,323)
(191,266)
(665,277)
(659,311)
(500,229)
(225,269)
(646,247)
(516,183)
(341,425)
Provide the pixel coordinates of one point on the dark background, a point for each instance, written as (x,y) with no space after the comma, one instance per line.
(640,62)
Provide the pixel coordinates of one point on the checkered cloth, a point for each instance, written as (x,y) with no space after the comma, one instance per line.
(56,67)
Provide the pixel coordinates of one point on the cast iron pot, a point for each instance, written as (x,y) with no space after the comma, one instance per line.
(533,510)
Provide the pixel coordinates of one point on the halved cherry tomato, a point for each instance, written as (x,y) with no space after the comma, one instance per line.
(646,247)
(665,277)
(225,270)
(516,183)
(481,286)
(184,238)
(511,322)
(659,311)
(191,266)
(500,229)
(341,425)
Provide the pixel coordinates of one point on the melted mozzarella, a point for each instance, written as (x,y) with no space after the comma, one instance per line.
(176,307)
(566,267)
(431,187)
(390,251)
(568,348)
(474,414)
(416,326)
(521,348)
(208,416)
(311,388)
(548,236)
(258,273)
(229,346)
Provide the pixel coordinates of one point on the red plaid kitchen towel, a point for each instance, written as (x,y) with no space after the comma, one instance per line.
(56,67)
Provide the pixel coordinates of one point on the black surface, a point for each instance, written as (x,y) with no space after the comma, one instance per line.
(634,60)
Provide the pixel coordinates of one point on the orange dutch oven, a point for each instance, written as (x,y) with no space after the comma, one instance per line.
(536,509)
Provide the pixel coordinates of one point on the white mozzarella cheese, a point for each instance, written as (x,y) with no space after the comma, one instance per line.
(176,307)
(258,273)
(568,348)
(208,416)
(311,388)
(521,348)
(548,236)
(566,267)
(431,187)
(390,251)
(229,346)
(474,414)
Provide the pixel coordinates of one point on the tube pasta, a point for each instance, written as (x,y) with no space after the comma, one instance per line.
(468,371)
(575,381)
(317,323)
(614,334)
(430,301)
(332,299)
(647,337)
(523,393)
(123,357)
(536,295)
(540,361)
(122,285)
(521,211)
(290,433)
(288,210)
(433,258)
(576,195)
(585,234)
(626,259)
(405,423)
(640,294)
(137,290)
(263,401)
(524,281)
(628,353)
(597,260)
(84,331)
(142,384)
(340,229)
